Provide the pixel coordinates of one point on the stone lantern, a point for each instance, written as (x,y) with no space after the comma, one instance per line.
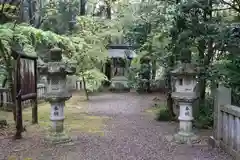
(57,93)
(185,94)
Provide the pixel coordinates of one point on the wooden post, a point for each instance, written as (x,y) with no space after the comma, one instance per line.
(126,68)
(222,97)
(19,123)
(112,67)
(82,7)
(35,103)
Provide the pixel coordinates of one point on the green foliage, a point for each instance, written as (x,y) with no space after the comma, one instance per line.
(226,71)
(92,37)
(204,120)
(29,38)
(139,74)
(94,80)
(163,114)
(132,77)
(92,41)
(58,15)
(147,25)
(84,39)
(198,30)
(149,29)
(169,32)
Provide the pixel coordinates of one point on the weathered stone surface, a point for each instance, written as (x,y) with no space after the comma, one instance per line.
(189,138)
(185,94)
(57,93)
(58,138)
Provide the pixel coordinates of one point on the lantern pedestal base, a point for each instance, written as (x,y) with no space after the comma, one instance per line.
(186,138)
(58,138)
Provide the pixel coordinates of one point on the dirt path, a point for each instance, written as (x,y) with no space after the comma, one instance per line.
(130,134)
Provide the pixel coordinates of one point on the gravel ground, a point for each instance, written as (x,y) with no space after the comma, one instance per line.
(131,134)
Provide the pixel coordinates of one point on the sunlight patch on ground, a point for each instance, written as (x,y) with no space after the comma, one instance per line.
(6,116)
(76,118)
(153,110)
(156,107)
(15,158)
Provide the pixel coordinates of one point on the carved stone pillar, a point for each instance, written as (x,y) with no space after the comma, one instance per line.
(57,93)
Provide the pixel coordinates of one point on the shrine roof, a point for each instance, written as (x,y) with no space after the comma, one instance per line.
(10,1)
(122,46)
(121,53)
(17,50)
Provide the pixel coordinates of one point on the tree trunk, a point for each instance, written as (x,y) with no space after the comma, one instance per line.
(169,87)
(171,62)
(34,101)
(30,12)
(202,90)
(205,59)
(154,68)
(19,123)
(82,7)
(169,96)
(201,75)
(85,88)
(4,82)
(12,90)
(108,9)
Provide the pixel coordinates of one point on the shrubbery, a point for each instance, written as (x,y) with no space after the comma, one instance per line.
(163,114)
(94,79)
(204,120)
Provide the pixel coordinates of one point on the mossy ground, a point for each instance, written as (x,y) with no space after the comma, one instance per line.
(160,112)
(153,110)
(76,117)
(156,108)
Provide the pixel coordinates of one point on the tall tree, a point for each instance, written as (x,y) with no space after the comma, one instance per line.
(82,7)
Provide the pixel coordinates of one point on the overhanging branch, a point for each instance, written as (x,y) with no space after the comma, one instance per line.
(236,8)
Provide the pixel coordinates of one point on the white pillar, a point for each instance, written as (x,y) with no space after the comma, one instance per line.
(57,116)
(185,134)
(185,118)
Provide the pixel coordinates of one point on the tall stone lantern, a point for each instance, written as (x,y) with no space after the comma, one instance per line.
(57,93)
(185,84)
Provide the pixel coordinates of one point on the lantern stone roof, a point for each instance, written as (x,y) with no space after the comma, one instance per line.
(185,69)
(184,97)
